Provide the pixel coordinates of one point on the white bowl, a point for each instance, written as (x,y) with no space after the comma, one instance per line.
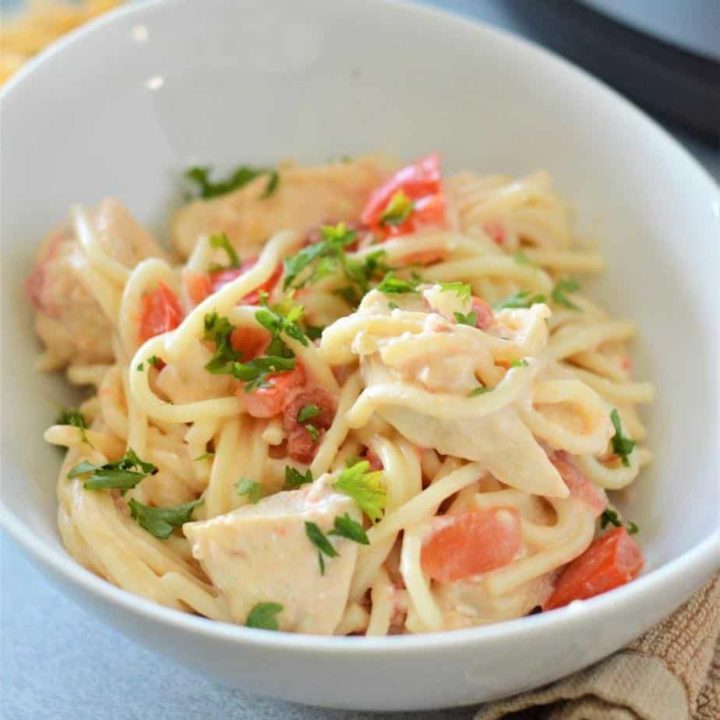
(122,107)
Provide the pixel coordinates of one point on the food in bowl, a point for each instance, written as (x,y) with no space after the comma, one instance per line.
(355,399)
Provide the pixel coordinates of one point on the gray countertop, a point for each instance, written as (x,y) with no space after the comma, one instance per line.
(59,663)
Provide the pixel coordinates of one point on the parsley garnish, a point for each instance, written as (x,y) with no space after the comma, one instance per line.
(294,478)
(461,289)
(469,319)
(348,528)
(308,412)
(398,210)
(314,332)
(255,373)
(124,474)
(221,241)
(160,521)
(76,419)
(520,299)
(392,285)
(519,363)
(251,488)
(155,361)
(205,456)
(393,305)
(262,616)
(611,517)
(280,320)
(622,446)
(559,293)
(481,390)
(318,538)
(219,330)
(522,259)
(272,184)
(314,432)
(206,188)
(364,487)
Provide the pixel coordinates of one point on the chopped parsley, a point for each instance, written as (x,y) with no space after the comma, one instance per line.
(364,487)
(75,418)
(522,259)
(221,241)
(398,209)
(294,478)
(562,287)
(519,363)
(272,184)
(392,285)
(314,432)
(612,517)
(205,456)
(348,528)
(123,475)
(314,332)
(318,538)
(481,390)
(160,521)
(622,446)
(469,319)
(251,488)
(207,188)
(393,305)
(461,289)
(282,318)
(308,412)
(262,616)
(155,361)
(520,299)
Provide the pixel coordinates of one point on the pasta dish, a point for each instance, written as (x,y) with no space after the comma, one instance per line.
(357,398)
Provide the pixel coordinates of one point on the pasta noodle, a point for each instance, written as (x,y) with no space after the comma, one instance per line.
(405,421)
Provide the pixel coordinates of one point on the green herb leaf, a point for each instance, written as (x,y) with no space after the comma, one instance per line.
(348,528)
(469,319)
(479,391)
(632,528)
(398,209)
(207,188)
(314,332)
(262,616)
(294,478)
(559,295)
(393,305)
(219,330)
(520,299)
(205,456)
(155,361)
(610,517)
(461,289)
(160,521)
(76,419)
(522,259)
(519,363)
(221,241)
(272,184)
(318,538)
(255,373)
(622,446)
(251,488)
(392,285)
(365,487)
(280,319)
(124,474)
(308,412)
(314,432)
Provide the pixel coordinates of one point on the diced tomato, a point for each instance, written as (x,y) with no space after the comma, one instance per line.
(460,546)
(250,341)
(160,312)
(266,402)
(579,486)
(612,560)
(420,182)
(202,285)
(483,312)
(301,443)
(496,231)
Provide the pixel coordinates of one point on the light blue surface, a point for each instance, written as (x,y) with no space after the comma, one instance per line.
(58,663)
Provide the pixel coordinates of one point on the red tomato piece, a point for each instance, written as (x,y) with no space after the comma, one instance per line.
(612,560)
(266,402)
(198,286)
(460,546)
(202,285)
(579,486)
(302,445)
(420,182)
(483,312)
(496,231)
(160,312)
(249,341)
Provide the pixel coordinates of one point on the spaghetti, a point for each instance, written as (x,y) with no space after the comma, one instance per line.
(396,415)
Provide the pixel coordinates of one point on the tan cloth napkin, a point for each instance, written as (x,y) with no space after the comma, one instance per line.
(670,673)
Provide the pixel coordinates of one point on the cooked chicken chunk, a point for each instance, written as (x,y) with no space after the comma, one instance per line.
(305,196)
(69,320)
(262,553)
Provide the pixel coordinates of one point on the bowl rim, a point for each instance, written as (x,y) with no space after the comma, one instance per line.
(702,556)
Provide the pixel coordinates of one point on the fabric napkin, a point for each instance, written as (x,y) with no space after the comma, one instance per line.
(670,673)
